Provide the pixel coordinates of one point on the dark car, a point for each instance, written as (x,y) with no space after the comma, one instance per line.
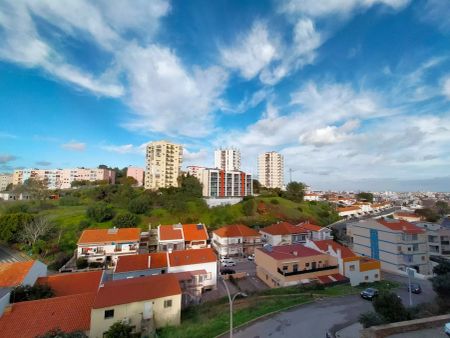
(369,293)
(415,288)
(227,272)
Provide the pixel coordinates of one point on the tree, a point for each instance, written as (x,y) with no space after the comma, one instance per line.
(100,212)
(295,191)
(118,330)
(126,180)
(58,333)
(35,229)
(81,183)
(429,214)
(256,186)
(12,224)
(27,292)
(442,208)
(365,196)
(125,220)
(442,268)
(441,285)
(140,205)
(390,307)
(190,185)
(368,319)
(38,189)
(249,207)
(9,187)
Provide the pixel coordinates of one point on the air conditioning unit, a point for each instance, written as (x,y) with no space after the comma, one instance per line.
(126,321)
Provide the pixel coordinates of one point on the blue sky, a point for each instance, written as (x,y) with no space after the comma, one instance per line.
(354,93)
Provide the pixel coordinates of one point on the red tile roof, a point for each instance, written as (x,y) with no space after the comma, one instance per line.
(310,226)
(236,230)
(407,214)
(289,251)
(33,318)
(136,289)
(284,228)
(401,225)
(127,263)
(329,279)
(343,209)
(91,236)
(65,284)
(195,256)
(323,246)
(170,233)
(13,274)
(195,232)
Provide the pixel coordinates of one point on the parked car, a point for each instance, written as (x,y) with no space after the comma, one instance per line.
(415,288)
(251,257)
(224,258)
(447,329)
(227,272)
(369,293)
(228,262)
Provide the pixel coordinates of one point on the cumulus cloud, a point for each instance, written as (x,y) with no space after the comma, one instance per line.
(125,148)
(7,158)
(74,146)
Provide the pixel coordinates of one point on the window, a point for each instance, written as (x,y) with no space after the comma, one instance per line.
(423,258)
(366,277)
(307,265)
(351,268)
(109,314)
(168,303)
(376,275)
(415,247)
(285,267)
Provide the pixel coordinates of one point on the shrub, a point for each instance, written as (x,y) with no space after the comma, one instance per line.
(100,212)
(83,224)
(27,292)
(274,201)
(69,201)
(82,263)
(95,265)
(125,220)
(390,307)
(368,319)
(58,333)
(17,208)
(118,330)
(139,205)
(249,207)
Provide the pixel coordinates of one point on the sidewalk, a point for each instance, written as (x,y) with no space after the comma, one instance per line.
(351,331)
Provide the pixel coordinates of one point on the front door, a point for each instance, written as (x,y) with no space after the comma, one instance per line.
(148,310)
(313,265)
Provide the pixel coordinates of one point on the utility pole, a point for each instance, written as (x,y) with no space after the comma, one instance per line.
(290,174)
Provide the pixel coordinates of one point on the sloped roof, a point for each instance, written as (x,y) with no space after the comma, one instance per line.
(343,209)
(170,233)
(127,263)
(195,232)
(65,284)
(323,246)
(236,230)
(13,274)
(290,251)
(310,226)
(136,289)
(284,228)
(194,256)
(401,225)
(92,236)
(34,318)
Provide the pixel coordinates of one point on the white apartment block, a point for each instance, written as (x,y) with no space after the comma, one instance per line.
(5,180)
(63,178)
(271,170)
(227,159)
(163,165)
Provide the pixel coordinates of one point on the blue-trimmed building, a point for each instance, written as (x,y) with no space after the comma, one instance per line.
(397,244)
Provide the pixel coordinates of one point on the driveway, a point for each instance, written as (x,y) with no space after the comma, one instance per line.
(309,321)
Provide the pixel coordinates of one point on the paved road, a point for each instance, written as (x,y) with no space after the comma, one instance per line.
(8,255)
(309,321)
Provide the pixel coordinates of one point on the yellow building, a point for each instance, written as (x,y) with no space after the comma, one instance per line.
(145,303)
(163,165)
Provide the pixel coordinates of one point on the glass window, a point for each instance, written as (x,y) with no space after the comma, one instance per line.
(168,303)
(351,268)
(366,277)
(109,314)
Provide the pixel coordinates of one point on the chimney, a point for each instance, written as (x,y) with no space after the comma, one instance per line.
(149,261)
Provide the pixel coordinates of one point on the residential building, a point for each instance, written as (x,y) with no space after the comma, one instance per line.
(196,272)
(311,196)
(5,180)
(106,245)
(351,211)
(145,303)
(227,159)
(286,265)
(438,238)
(284,233)
(236,240)
(14,196)
(397,244)
(63,178)
(66,284)
(316,232)
(182,236)
(356,268)
(221,183)
(163,165)
(137,174)
(271,170)
(408,216)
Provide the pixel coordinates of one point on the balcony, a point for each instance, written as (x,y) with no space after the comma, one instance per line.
(301,272)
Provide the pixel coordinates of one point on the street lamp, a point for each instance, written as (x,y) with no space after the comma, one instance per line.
(411,273)
(231,300)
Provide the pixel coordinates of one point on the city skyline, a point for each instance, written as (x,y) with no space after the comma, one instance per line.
(355,95)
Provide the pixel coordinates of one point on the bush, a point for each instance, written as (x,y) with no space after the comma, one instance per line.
(95,265)
(83,224)
(390,307)
(61,258)
(57,333)
(69,201)
(82,263)
(17,208)
(100,212)
(26,292)
(274,201)
(125,220)
(11,225)
(442,268)
(368,319)
(139,205)
(118,330)
(249,207)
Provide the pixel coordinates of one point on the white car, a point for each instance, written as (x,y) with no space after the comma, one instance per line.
(228,262)
(251,257)
(447,329)
(224,258)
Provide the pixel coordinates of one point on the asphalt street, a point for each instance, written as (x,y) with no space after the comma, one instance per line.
(8,255)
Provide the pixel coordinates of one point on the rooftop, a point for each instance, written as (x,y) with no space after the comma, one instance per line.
(293,251)
(65,284)
(284,228)
(400,225)
(93,236)
(136,289)
(195,232)
(170,232)
(13,274)
(323,246)
(188,257)
(155,260)
(35,318)
(236,230)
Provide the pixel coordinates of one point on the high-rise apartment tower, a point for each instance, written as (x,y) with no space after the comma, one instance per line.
(271,170)
(163,164)
(227,159)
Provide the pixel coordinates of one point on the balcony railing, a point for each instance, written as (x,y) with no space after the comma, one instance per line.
(301,272)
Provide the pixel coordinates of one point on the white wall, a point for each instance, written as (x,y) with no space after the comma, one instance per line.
(38,269)
(210,267)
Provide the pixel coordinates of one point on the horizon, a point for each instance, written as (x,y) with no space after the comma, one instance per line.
(355,96)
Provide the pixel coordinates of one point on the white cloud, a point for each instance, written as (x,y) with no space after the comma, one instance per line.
(125,148)
(7,158)
(74,146)
(251,52)
(329,134)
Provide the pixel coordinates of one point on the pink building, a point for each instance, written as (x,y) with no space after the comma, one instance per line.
(137,174)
